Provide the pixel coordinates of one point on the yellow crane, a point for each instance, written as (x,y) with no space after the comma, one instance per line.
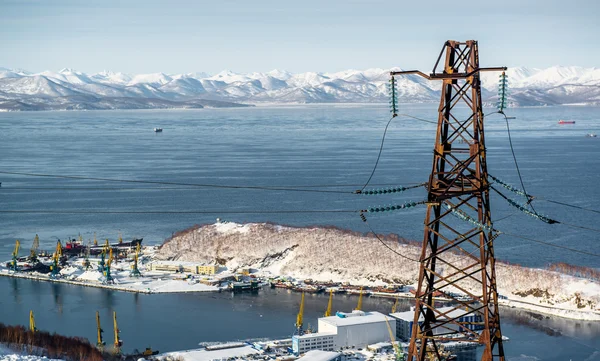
(299,318)
(59,248)
(56,259)
(328,311)
(100,343)
(32,327)
(34,248)
(360,297)
(95,240)
(397,350)
(120,238)
(15,255)
(395,306)
(118,342)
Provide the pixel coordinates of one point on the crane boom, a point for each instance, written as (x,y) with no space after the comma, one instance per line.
(398,351)
(328,311)
(299,318)
(118,342)
(100,342)
(16,250)
(360,298)
(395,306)
(34,248)
(32,327)
(15,255)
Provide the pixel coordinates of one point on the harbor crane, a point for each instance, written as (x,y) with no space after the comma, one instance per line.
(299,318)
(32,327)
(95,240)
(15,256)
(397,350)
(360,298)
(56,260)
(118,342)
(395,306)
(135,272)
(86,261)
(34,249)
(108,277)
(99,343)
(328,311)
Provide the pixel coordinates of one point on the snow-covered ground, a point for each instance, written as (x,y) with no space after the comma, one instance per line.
(315,253)
(9,355)
(244,353)
(148,282)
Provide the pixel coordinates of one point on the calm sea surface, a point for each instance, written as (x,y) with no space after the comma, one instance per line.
(333,146)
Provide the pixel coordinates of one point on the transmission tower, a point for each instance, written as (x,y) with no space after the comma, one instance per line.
(457,257)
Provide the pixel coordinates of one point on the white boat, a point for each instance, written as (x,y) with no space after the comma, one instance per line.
(157,130)
(591,135)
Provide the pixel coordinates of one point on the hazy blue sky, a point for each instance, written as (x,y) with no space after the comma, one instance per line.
(243,36)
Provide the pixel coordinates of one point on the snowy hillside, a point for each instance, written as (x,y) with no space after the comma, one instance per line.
(70,89)
(325,254)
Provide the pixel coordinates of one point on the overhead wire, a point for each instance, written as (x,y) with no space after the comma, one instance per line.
(182,187)
(383,142)
(79,211)
(201,185)
(567,205)
(551,244)
(512,150)
(385,244)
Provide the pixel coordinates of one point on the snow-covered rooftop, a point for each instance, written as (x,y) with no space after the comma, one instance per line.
(319,355)
(355,318)
(409,315)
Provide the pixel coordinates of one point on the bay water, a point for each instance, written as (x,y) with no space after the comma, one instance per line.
(324,147)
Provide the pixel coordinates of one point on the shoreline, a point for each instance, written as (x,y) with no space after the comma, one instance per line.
(547,310)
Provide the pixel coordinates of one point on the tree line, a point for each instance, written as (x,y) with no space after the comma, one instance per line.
(42,343)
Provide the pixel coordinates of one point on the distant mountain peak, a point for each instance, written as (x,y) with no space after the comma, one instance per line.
(528,86)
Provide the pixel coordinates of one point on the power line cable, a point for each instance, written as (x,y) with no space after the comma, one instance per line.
(378,155)
(567,205)
(383,142)
(78,188)
(512,150)
(37,211)
(364,219)
(551,244)
(176,183)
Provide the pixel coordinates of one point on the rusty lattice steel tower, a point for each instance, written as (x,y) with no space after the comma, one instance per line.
(457,256)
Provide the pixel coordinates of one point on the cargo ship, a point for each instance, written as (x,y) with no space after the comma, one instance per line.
(118,246)
(566,122)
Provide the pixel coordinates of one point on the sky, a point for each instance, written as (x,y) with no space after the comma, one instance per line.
(323,36)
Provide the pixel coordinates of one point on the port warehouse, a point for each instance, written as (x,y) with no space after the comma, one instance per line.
(405,321)
(360,329)
(355,330)
(184,267)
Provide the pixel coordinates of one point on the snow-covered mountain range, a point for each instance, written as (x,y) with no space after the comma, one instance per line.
(70,89)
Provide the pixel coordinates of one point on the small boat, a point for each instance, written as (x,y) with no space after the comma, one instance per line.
(157,130)
(566,122)
(591,135)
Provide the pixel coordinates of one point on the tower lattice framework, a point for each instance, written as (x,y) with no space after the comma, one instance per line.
(457,256)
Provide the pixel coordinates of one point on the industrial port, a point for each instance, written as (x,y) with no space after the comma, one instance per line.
(130,266)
